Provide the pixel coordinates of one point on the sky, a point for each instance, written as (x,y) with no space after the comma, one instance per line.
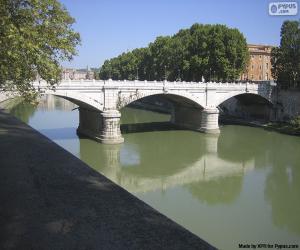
(110,27)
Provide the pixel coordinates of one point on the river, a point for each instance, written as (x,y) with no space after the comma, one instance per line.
(239,187)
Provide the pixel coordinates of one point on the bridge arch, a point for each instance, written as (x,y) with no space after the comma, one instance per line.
(185,112)
(79,99)
(175,99)
(125,99)
(248,106)
(230,95)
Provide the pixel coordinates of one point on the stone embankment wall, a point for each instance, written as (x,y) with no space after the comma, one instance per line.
(248,110)
(287,104)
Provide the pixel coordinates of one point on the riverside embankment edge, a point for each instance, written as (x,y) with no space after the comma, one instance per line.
(52,200)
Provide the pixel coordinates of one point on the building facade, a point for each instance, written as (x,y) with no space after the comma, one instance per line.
(259,68)
(77,74)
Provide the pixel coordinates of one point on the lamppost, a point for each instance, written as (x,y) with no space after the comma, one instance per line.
(165,72)
(109,71)
(178,77)
(137,73)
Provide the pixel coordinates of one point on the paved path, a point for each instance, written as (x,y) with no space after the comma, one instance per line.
(49,199)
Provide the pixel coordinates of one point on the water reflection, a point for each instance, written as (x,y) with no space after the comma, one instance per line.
(20,109)
(142,167)
(204,182)
(283,185)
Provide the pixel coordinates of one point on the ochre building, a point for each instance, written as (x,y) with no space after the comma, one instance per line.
(259,68)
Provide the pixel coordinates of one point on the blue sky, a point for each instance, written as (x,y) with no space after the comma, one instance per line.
(110,27)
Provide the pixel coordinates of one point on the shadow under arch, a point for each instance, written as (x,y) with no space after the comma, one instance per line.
(247,106)
(183,113)
(186,100)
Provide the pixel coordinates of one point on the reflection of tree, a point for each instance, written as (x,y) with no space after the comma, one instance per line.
(23,110)
(216,191)
(241,143)
(283,185)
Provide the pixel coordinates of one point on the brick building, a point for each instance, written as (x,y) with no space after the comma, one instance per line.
(259,68)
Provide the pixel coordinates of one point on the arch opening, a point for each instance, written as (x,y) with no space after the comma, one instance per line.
(246,107)
(171,112)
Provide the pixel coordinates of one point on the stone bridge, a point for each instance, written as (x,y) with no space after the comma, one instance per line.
(195,103)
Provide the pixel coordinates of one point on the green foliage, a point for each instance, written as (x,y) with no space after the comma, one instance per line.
(214,52)
(285,59)
(35,36)
(295,122)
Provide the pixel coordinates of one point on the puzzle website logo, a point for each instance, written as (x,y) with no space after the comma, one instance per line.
(283,8)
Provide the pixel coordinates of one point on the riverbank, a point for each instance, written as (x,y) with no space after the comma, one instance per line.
(280,127)
(52,200)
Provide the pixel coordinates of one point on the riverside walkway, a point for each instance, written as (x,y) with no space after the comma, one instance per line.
(49,199)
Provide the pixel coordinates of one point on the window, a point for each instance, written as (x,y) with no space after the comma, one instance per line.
(259,57)
(267,65)
(252,66)
(259,66)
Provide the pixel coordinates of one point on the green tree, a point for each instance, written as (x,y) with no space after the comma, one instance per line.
(35,36)
(285,59)
(213,51)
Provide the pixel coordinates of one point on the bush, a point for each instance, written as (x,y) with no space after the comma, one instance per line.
(295,122)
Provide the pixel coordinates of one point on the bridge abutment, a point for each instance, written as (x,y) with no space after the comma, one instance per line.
(100,126)
(210,121)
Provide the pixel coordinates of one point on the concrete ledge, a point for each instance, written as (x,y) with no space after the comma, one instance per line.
(52,200)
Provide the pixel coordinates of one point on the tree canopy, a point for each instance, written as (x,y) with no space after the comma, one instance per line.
(35,36)
(285,59)
(214,52)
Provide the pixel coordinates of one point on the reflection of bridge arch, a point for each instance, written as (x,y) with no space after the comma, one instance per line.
(136,178)
(100,101)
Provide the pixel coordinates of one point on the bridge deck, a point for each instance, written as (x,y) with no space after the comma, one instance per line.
(51,200)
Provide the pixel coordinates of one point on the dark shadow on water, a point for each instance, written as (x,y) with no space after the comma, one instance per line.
(148,127)
(59,133)
(70,133)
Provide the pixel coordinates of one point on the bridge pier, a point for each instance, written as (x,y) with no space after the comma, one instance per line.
(100,126)
(210,121)
(187,117)
(111,133)
(206,120)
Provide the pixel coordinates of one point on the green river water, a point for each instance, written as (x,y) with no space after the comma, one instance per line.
(240,187)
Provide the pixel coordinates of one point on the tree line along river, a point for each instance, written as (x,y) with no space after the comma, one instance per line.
(239,187)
